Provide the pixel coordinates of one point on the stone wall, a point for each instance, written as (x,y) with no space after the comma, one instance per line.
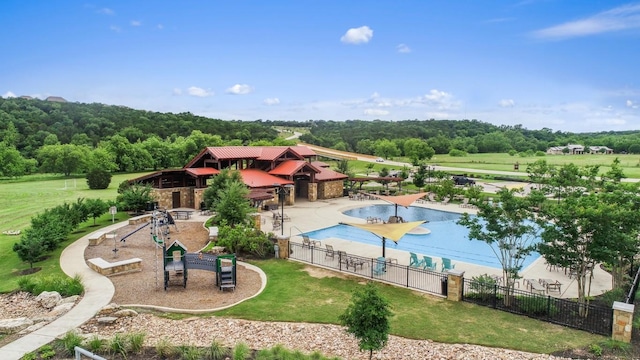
(330,189)
(164,197)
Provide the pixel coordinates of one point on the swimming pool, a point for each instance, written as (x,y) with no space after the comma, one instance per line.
(447,239)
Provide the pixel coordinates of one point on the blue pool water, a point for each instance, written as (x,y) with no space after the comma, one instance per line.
(447,239)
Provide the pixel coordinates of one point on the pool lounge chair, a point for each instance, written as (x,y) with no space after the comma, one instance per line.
(414,261)
(309,243)
(330,252)
(447,265)
(428,263)
(343,258)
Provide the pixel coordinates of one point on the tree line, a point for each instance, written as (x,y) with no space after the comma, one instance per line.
(389,138)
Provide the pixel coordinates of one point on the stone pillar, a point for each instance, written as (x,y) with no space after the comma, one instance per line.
(313,192)
(455,284)
(257,220)
(283,244)
(622,321)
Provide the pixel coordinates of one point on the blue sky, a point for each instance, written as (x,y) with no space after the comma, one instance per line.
(569,65)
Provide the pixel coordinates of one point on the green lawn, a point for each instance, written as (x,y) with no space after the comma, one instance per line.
(417,316)
(23,198)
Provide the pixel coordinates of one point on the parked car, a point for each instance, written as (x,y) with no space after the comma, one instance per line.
(379,160)
(463,180)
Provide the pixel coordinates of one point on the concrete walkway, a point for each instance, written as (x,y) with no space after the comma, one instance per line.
(98,291)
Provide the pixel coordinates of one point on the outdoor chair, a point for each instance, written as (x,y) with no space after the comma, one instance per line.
(415,262)
(343,258)
(447,265)
(535,285)
(445,201)
(381,266)
(330,252)
(309,243)
(464,203)
(428,263)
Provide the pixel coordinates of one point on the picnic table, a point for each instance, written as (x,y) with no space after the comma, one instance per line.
(183,214)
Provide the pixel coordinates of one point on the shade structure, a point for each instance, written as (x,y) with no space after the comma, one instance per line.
(403,200)
(388,231)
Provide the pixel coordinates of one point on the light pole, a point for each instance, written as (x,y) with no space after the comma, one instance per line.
(282,191)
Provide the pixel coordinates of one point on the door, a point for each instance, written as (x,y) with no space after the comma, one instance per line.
(175,197)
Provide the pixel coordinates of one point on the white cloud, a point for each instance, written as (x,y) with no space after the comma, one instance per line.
(115,28)
(631,104)
(106,11)
(375,112)
(239,89)
(271,101)
(506,103)
(9,94)
(403,49)
(177,91)
(160,26)
(617,19)
(136,23)
(359,35)
(199,92)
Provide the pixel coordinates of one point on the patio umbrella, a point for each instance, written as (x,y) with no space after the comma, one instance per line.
(390,231)
(404,200)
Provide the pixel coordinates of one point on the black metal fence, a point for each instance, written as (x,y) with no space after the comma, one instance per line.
(432,282)
(588,317)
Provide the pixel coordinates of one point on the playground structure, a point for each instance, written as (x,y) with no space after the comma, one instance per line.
(178,262)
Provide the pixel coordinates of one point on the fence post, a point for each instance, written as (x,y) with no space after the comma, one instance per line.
(408,276)
(455,284)
(548,306)
(494,298)
(283,243)
(622,321)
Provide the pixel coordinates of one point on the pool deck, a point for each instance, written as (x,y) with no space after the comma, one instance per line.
(307,216)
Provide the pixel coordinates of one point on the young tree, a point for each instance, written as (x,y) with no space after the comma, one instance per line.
(233,207)
(220,182)
(367,318)
(507,227)
(96,208)
(420,176)
(30,248)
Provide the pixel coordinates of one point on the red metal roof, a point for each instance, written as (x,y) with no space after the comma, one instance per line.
(320,164)
(206,171)
(328,174)
(290,167)
(234,152)
(257,178)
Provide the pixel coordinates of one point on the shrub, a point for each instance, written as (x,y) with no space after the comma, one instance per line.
(29,356)
(482,287)
(216,351)
(540,153)
(95,344)
(118,345)
(595,349)
(69,342)
(64,285)
(165,349)
(188,352)
(136,342)
(457,153)
(617,294)
(241,351)
(536,305)
(98,179)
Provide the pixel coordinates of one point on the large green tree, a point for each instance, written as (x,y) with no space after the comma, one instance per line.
(507,226)
(220,182)
(367,318)
(64,159)
(597,221)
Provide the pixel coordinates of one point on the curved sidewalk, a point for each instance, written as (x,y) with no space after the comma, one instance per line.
(98,291)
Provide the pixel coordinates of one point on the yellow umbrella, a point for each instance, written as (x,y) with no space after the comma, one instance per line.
(393,231)
(404,200)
